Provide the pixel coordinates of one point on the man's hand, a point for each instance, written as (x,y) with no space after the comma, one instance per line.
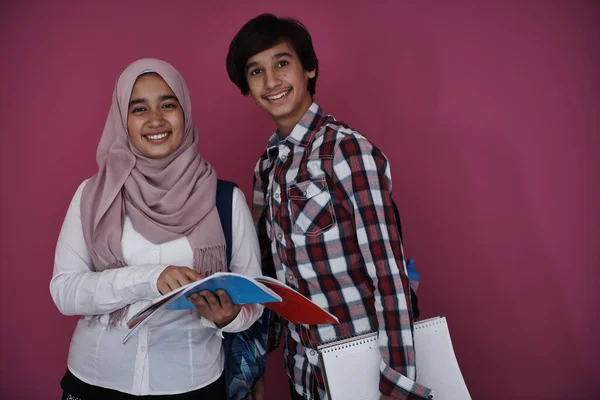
(258,391)
(217,309)
(173,277)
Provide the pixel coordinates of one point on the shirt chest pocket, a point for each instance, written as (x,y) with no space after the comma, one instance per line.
(310,207)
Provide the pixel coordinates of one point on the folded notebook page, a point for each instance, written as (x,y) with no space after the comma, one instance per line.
(437,367)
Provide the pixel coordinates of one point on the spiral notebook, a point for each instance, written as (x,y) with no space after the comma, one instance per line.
(351,366)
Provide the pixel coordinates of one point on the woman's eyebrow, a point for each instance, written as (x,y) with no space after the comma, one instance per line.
(161,98)
(136,101)
(168,97)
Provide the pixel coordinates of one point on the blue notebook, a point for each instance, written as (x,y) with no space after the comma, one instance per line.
(241,290)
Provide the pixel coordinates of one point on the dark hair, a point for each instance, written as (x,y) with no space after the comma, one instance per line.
(262,33)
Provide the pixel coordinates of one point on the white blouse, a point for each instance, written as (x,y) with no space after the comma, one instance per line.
(176,351)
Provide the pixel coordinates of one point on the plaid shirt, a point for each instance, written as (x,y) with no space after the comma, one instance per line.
(323,207)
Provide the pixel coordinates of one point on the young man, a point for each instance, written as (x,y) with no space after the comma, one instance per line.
(323,207)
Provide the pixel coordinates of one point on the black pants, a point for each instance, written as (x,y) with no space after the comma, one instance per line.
(75,389)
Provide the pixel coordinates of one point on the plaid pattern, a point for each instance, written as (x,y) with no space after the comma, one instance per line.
(322,203)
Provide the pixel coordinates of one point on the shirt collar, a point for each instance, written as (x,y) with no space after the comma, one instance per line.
(304,131)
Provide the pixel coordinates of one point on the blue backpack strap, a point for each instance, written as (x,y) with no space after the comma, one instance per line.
(224,207)
(245,361)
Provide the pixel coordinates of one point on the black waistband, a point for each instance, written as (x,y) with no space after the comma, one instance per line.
(76,387)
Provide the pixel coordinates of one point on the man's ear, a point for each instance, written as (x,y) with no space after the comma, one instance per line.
(311,74)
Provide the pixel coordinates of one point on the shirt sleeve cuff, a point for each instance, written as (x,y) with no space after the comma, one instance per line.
(248,314)
(239,323)
(394,384)
(153,292)
(210,324)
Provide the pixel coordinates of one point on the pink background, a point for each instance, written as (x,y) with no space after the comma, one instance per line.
(488,113)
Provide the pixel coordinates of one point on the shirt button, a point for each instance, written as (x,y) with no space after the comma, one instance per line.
(143,349)
(280,236)
(277,196)
(155,252)
(283,157)
(291,276)
(312,353)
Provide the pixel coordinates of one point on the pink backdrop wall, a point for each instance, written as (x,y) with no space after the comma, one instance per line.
(488,113)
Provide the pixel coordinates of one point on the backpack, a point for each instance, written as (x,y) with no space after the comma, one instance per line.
(245,352)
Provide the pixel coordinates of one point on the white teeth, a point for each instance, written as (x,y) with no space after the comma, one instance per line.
(159,136)
(279,96)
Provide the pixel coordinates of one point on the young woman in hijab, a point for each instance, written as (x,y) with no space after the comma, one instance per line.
(143,225)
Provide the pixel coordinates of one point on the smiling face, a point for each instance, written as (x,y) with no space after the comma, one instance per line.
(155,121)
(278,83)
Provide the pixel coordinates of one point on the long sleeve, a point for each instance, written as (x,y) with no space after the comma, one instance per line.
(364,174)
(259,210)
(79,290)
(245,260)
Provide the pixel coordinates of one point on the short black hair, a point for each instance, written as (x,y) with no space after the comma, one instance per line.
(262,33)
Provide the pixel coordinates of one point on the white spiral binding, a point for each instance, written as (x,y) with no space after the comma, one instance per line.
(348,342)
(429,322)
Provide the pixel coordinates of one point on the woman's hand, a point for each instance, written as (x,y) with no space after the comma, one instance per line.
(173,277)
(218,309)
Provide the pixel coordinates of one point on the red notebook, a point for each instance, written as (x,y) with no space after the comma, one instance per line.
(295,307)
